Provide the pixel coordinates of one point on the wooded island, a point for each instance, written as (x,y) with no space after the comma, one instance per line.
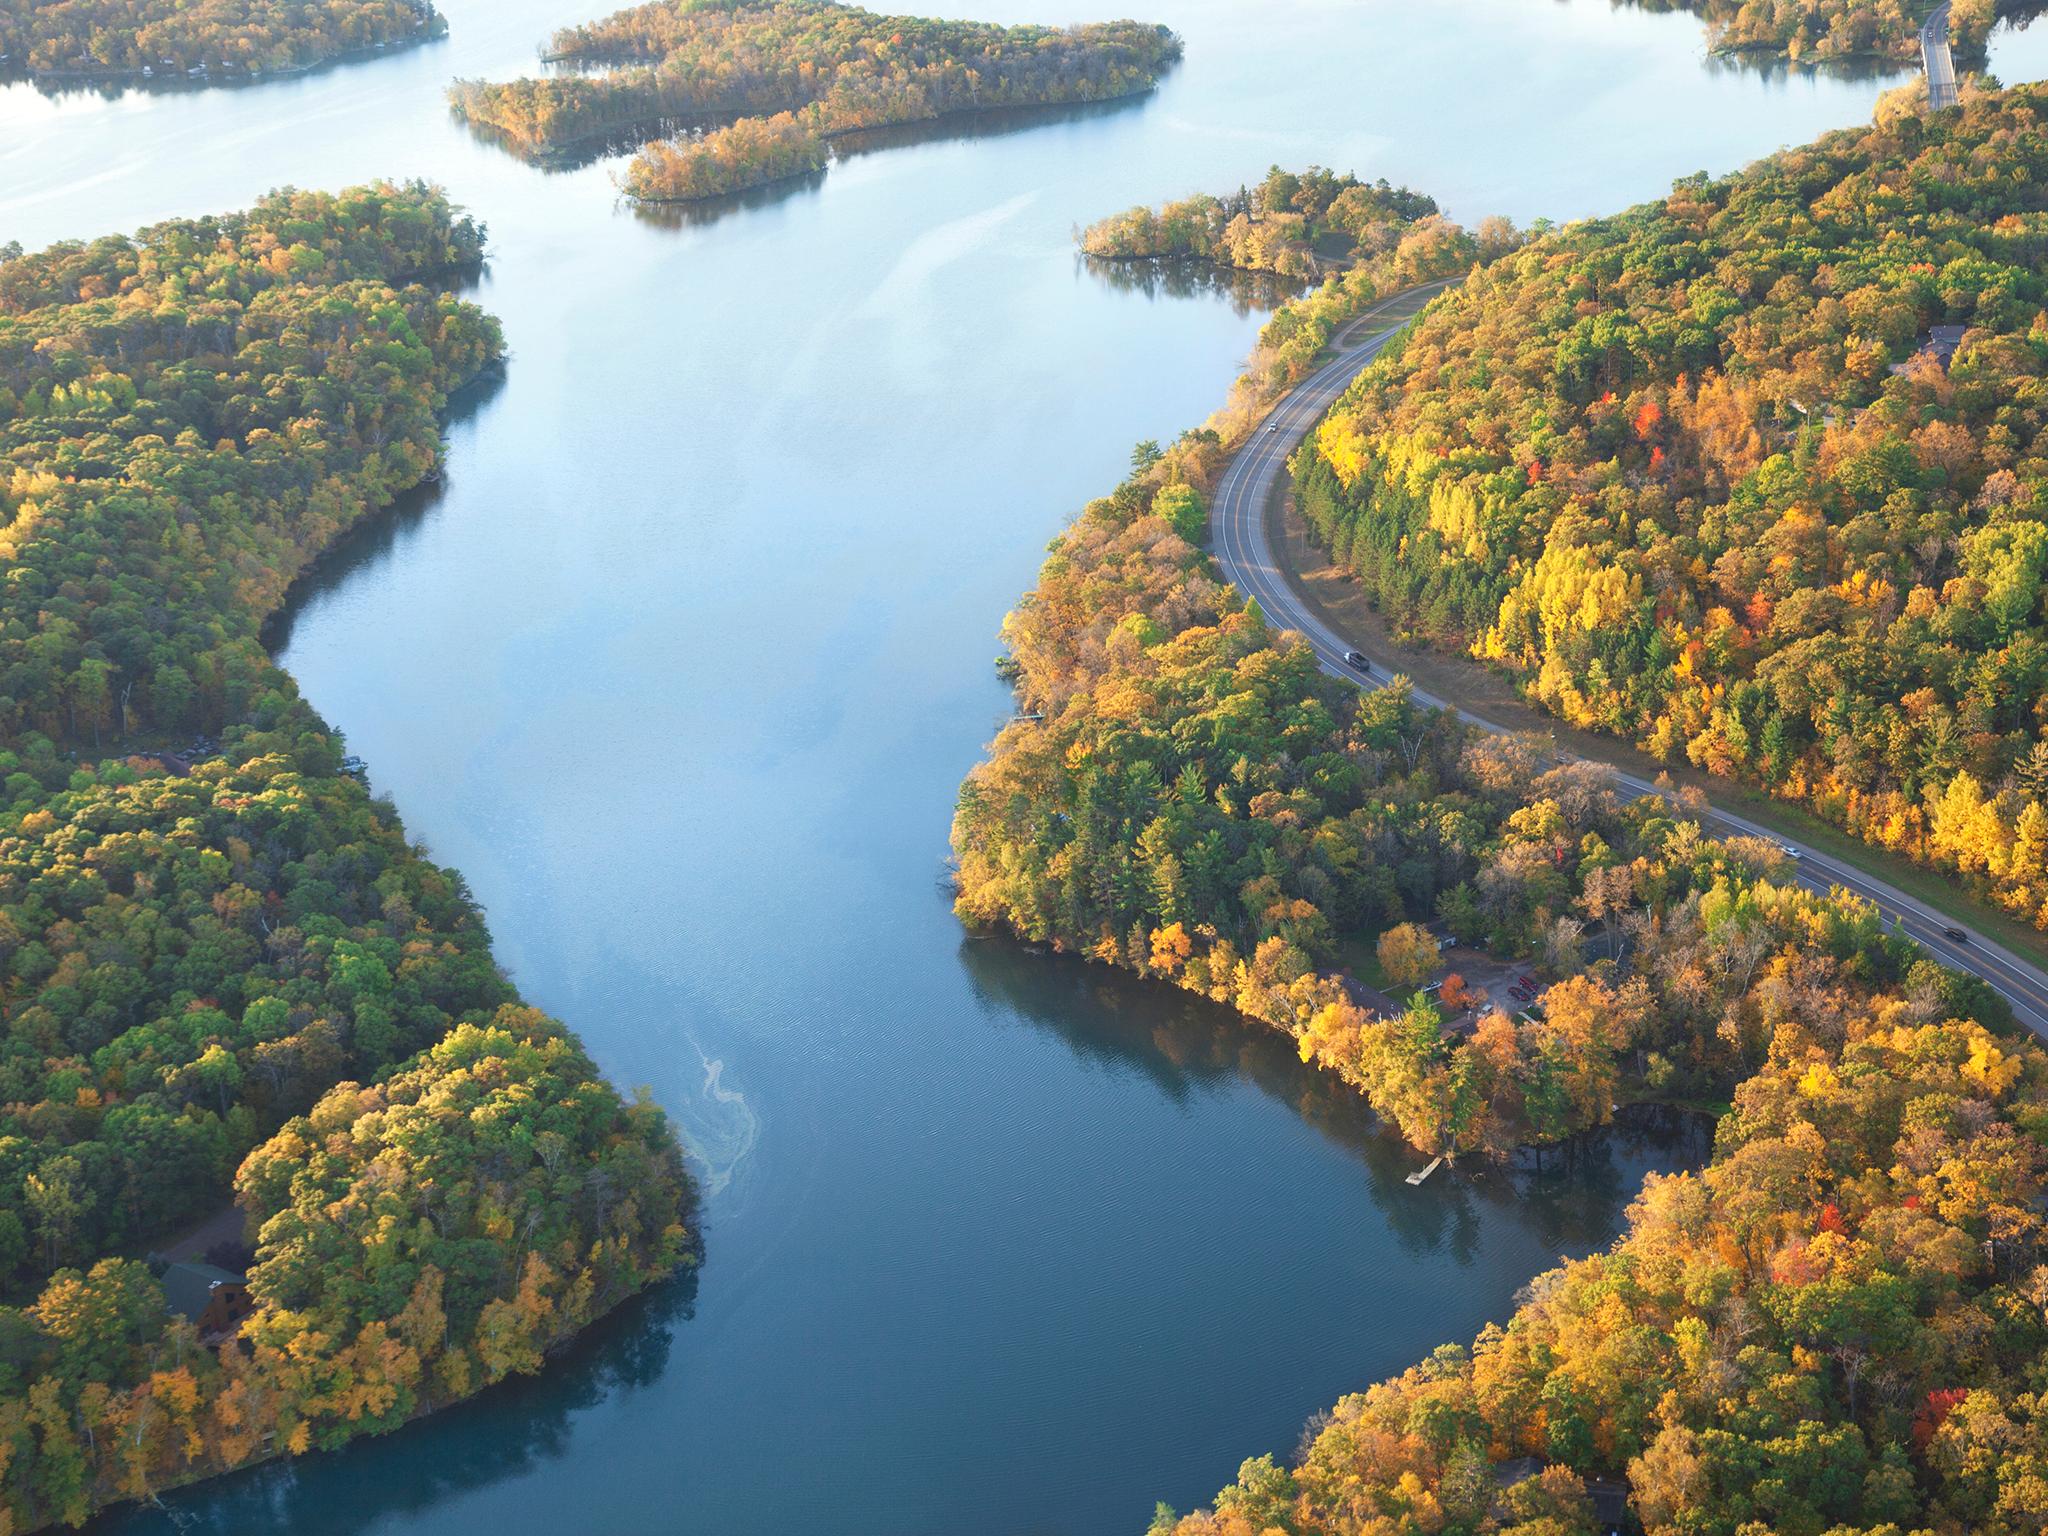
(723,95)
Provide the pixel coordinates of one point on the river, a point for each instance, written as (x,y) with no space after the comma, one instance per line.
(681,667)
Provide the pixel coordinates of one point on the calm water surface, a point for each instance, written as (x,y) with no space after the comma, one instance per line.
(682,666)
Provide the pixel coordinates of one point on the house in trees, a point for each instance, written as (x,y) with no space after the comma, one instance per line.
(1940,343)
(215,1300)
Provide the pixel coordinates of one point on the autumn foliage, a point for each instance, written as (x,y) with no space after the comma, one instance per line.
(1710,476)
(99,38)
(225,973)
(1302,225)
(1837,1327)
(1188,795)
(727,94)
(1844,31)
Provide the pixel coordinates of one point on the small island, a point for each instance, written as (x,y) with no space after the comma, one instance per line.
(725,95)
(1299,225)
(114,40)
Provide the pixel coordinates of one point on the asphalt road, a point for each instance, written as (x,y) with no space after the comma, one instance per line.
(1238,535)
(1938,61)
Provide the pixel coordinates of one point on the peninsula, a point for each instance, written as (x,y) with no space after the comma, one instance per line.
(236,997)
(210,40)
(1838,1325)
(1304,225)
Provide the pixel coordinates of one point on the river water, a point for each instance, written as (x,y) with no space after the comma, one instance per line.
(682,665)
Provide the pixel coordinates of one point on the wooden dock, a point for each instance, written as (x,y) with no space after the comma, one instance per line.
(1434,1164)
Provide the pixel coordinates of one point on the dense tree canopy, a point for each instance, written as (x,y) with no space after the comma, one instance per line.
(1298,225)
(1188,795)
(99,38)
(216,950)
(814,68)
(1755,477)
(185,419)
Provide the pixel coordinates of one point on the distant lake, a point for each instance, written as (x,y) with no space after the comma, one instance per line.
(682,665)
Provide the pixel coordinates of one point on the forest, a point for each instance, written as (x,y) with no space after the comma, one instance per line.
(1753,477)
(1838,1328)
(227,978)
(1304,225)
(1823,31)
(1196,801)
(694,80)
(97,39)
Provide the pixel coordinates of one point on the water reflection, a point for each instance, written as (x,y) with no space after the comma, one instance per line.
(1776,68)
(377,535)
(1247,293)
(507,1431)
(559,159)
(61,84)
(709,210)
(2013,15)
(995,123)
(1571,1199)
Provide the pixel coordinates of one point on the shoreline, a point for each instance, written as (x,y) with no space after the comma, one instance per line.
(598,143)
(741,190)
(146,78)
(1527,1156)
(273,631)
(271,1457)
(676,1259)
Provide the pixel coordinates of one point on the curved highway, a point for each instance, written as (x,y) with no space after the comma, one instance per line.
(1243,548)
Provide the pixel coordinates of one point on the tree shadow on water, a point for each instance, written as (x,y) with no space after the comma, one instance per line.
(509,1430)
(1247,293)
(373,538)
(709,210)
(995,123)
(1570,1199)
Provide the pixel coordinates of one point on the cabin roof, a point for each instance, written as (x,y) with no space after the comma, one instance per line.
(188,1288)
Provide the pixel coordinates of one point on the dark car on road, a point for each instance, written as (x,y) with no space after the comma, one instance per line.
(1357,661)
(1955,935)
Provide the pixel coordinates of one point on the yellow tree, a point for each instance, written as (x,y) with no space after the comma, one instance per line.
(1408,954)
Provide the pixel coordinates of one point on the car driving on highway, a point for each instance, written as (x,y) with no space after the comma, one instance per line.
(1357,662)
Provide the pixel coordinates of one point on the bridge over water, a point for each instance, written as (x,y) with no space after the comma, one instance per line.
(1940,63)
